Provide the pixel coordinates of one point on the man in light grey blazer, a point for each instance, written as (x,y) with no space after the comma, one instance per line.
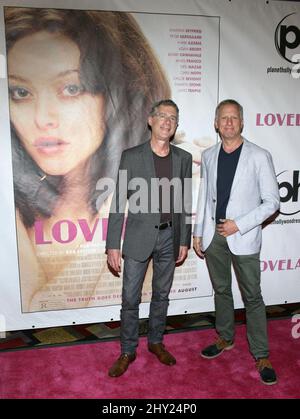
(155,180)
(238,192)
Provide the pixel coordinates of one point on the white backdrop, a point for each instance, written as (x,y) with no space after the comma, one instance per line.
(247,54)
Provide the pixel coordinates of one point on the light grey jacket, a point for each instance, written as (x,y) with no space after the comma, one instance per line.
(254,197)
(141,233)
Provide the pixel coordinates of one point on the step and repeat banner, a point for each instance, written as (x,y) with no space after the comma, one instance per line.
(77,81)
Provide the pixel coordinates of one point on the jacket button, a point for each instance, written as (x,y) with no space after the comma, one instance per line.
(213,218)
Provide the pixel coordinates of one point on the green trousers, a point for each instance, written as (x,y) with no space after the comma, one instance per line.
(247,268)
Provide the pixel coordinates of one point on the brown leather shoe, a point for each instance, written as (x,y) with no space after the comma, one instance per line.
(121,365)
(162,354)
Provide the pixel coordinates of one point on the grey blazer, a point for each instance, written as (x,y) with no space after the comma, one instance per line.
(137,166)
(253,198)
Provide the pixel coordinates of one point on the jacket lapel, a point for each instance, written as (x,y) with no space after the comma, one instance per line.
(241,166)
(213,167)
(148,161)
(176,193)
(176,162)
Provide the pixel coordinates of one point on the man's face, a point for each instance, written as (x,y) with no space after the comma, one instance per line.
(229,122)
(164,123)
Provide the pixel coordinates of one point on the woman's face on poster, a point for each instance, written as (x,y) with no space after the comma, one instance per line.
(59,124)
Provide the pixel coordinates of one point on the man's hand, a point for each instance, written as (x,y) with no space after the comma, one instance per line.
(227,228)
(197,246)
(183,251)
(114,259)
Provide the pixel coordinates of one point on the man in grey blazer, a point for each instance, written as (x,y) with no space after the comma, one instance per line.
(239,191)
(158,227)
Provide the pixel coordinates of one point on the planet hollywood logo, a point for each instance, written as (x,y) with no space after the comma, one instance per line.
(287,44)
(288,183)
(287,37)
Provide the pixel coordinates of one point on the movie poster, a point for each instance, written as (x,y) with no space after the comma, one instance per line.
(81,85)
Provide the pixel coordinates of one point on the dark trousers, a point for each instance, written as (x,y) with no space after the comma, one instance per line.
(219,259)
(133,278)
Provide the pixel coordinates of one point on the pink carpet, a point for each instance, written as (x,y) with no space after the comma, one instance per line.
(80,371)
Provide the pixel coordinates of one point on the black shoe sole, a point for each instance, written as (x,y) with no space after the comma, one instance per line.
(269,383)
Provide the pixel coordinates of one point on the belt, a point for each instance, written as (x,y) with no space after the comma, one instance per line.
(162,226)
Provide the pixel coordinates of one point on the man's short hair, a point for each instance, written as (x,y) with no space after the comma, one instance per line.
(229,102)
(163,102)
